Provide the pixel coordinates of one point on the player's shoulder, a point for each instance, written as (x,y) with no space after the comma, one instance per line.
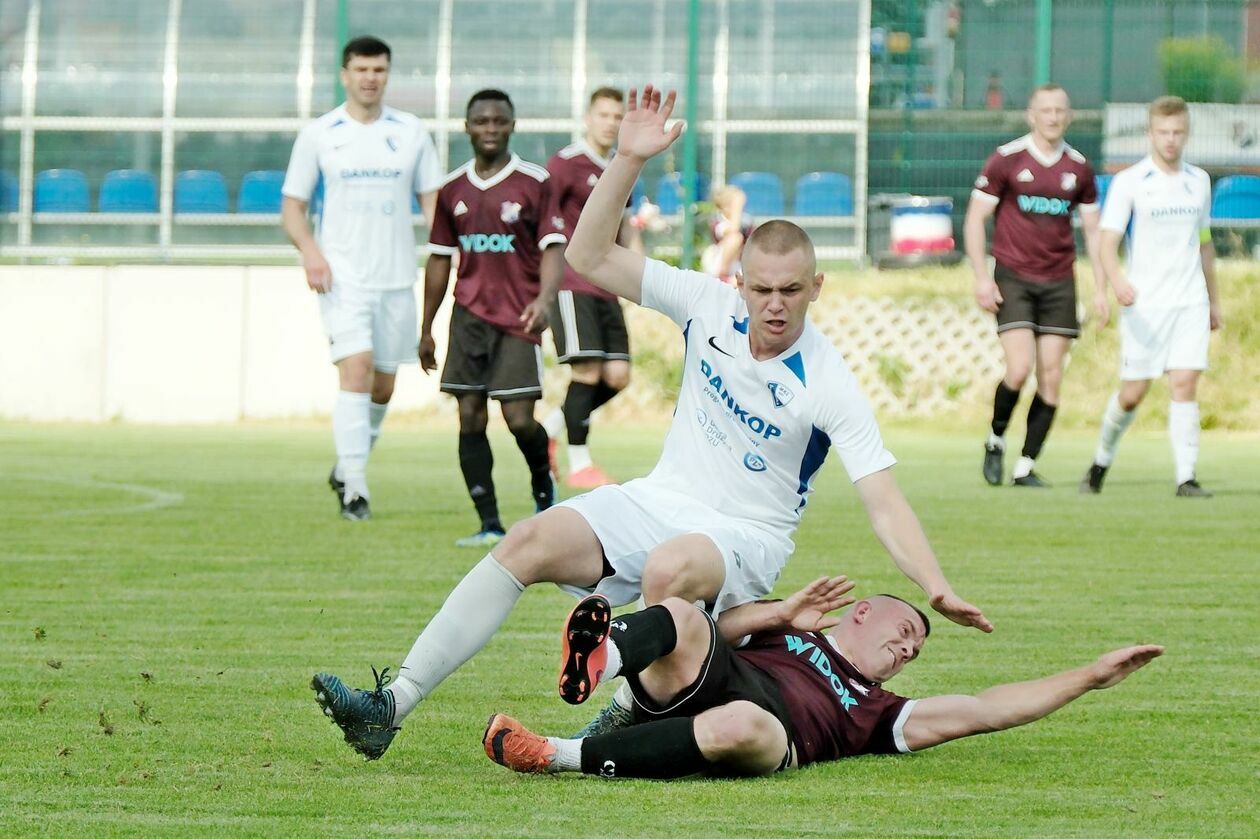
(532,170)
(325,122)
(453,177)
(570,152)
(404,119)
(1075,155)
(1198,174)
(1011,148)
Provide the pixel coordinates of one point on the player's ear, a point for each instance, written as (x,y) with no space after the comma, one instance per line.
(818,281)
(862,611)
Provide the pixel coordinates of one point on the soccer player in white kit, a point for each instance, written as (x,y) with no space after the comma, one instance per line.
(1168,292)
(362,258)
(764,396)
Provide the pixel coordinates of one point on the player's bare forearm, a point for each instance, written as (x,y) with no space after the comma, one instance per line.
(749,619)
(975,242)
(1207,253)
(805,611)
(296,227)
(437,274)
(1089,221)
(1109,256)
(550,273)
(593,250)
(428,206)
(898,529)
(629,236)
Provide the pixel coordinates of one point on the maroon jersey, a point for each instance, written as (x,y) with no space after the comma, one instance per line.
(835,710)
(1035,196)
(499,227)
(574,170)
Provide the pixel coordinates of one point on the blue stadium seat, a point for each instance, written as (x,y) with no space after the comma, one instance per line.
(260,191)
(669,192)
(128,191)
(200,191)
(764,191)
(824,194)
(62,191)
(1236,197)
(8,193)
(1102,183)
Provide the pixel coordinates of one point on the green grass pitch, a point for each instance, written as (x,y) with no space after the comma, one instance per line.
(166,594)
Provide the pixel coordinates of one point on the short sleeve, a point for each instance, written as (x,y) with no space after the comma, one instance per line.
(1205,217)
(428,167)
(1118,208)
(303,172)
(849,422)
(990,185)
(679,294)
(1087,190)
(442,233)
(551,227)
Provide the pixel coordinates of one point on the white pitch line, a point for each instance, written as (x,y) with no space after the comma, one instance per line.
(157,498)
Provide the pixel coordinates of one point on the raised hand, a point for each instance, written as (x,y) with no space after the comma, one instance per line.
(643,133)
(807,609)
(960,611)
(1114,666)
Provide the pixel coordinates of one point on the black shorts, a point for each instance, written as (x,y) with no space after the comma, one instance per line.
(724,678)
(586,328)
(1042,307)
(481,358)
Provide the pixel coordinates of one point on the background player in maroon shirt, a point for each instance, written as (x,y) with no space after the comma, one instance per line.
(499,214)
(1033,184)
(793,696)
(586,321)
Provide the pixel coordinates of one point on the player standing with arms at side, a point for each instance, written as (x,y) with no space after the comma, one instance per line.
(1168,293)
(499,214)
(587,322)
(362,259)
(1032,184)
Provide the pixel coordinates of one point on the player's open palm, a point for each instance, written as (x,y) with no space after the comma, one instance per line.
(807,609)
(1114,666)
(960,611)
(643,132)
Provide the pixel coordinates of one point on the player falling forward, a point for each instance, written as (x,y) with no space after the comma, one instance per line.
(764,396)
(1168,293)
(1033,184)
(794,695)
(362,263)
(499,214)
(586,321)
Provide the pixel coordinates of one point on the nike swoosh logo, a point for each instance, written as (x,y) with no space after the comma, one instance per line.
(719,349)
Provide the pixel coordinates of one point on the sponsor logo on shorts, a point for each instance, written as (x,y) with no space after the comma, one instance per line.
(799,647)
(488,243)
(719,394)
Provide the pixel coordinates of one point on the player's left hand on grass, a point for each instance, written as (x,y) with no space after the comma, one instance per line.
(960,611)
(1102,310)
(807,609)
(1112,668)
(534,316)
(1215,318)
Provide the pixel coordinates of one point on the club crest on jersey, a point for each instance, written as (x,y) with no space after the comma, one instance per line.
(592,179)
(557,222)
(780,394)
(1024,176)
(1068,182)
(510,212)
(392,142)
(754,462)
(982,182)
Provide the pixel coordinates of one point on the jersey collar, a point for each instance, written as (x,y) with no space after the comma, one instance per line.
(589,151)
(497,178)
(1031,147)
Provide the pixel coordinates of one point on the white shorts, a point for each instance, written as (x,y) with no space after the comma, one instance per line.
(630,520)
(1154,341)
(359,320)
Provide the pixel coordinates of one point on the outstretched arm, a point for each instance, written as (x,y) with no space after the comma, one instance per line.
(939,719)
(593,250)
(901,534)
(805,611)
(975,243)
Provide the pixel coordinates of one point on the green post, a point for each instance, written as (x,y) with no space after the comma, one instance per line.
(691,111)
(1045,19)
(1109,24)
(343,35)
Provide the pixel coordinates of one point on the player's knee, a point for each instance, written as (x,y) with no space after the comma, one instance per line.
(382,392)
(473,419)
(523,550)
(742,735)
(690,624)
(666,575)
(1017,373)
(617,379)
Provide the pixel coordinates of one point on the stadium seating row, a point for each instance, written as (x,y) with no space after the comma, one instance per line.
(205,191)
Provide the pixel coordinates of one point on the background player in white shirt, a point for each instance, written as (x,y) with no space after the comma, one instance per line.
(362,259)
(1168,292)
(764,395)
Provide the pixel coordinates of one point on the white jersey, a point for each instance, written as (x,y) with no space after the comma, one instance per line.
(1163,215)
(749,436)
(370,172)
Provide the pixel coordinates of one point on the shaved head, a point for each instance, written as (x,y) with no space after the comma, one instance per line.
(778,237)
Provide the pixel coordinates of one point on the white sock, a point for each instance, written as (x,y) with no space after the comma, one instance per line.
(996,441)
(579,458)
(472,613)
(1183,432)
(624,696)
(554,423)
(568,755)
(376,415)
(352,436)
(613,668)
(1114,422)
(1023,467)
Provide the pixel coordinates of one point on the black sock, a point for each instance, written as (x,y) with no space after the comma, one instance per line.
(532,441)
(476,461)
(1040,415)
(1003,406)
(603,392)
(643,637)
(659,749)
(578,404)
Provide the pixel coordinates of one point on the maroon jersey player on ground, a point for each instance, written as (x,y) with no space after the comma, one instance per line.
(794,695)
(586,321)
(499,214)
(1032,184)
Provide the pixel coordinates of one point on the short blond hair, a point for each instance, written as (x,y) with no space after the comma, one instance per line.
(1049,87)
(1168,106)
(780,236)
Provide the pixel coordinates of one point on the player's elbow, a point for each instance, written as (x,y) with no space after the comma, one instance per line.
(581,257)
